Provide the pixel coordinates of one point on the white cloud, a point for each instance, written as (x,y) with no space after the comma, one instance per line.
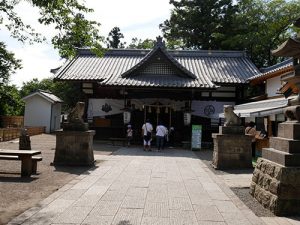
(136,18)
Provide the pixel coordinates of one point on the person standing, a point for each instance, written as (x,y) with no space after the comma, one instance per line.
(171,137)
(251,131)
(147,129)
(161,132)
(129,134)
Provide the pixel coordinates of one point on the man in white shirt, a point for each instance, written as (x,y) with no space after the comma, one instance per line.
(147,135)
(161,132)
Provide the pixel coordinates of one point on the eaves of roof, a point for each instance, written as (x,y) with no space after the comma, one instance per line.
(278,69)
(45,95)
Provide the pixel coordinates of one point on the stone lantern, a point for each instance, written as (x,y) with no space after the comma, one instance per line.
(276,178)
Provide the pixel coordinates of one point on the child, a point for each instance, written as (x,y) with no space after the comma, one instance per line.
(129,135)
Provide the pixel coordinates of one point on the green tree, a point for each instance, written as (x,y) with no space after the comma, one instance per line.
(199,24)
(8,64)
(11,103)
(141,44)
(73,30)
(70,93)
(114,38)
(261,26)
(256,26)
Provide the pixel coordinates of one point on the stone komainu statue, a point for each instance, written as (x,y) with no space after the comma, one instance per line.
(75,121)
(231,119)
(292,113)
(76,113)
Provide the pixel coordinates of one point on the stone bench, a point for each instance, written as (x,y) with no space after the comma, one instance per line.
(27,158)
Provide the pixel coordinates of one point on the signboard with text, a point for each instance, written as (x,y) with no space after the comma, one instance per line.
(196,137)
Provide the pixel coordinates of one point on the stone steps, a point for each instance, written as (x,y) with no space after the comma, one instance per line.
(281,157)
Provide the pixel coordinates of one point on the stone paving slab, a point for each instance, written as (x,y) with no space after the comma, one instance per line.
(172,187)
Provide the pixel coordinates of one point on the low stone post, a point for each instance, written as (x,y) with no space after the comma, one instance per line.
(232,148)
(24,140)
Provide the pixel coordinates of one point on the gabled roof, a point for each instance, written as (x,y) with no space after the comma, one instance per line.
(273,71)
(159,55)
(46,95)
(289,48)
(139,68)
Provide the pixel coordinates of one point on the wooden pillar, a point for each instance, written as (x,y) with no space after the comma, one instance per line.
(270,134)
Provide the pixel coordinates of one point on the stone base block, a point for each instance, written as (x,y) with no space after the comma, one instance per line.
(231,130)
(276,187)
(75,126)
(280,157)
(289,129)
(232,151)
(284,144)
(74,148)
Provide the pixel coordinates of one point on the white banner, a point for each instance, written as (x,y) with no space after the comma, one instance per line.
(209,109)
(105,107)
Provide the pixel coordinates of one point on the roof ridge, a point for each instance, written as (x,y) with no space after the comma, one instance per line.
(172,52)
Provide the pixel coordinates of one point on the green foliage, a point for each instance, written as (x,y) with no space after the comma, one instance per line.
(70,93)
(11,103)
(67,17)
(149,44)
(114,38)
(256,26)
(199,24)
(8,64)
(80,33)
(261,26)
(141,44)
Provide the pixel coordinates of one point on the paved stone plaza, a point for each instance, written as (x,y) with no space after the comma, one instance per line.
(135,187)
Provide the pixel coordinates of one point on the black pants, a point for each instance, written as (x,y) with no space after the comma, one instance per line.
(253,149)
(160,142)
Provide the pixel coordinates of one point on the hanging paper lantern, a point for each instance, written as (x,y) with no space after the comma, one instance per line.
(187,118)
(126,117)
(149,109)
(167,110)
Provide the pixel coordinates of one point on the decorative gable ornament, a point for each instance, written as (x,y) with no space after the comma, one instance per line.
(159,62)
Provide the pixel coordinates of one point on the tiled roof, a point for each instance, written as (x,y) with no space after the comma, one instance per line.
(204,69)
(267,71)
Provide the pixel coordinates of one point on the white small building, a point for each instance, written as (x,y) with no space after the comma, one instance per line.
(42,109)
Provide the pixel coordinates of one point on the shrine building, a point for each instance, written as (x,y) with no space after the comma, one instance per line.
(177,87)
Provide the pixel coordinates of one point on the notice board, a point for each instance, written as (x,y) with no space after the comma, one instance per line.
(196,137)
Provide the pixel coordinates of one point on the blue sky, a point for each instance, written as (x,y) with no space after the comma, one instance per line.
(136,18)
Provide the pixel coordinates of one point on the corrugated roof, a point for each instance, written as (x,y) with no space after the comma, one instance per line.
(262,108)
(267,71)
(46,95)
(207,68)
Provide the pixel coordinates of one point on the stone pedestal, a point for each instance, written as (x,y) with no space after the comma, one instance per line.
(232,148)
(74,148)
(276,178)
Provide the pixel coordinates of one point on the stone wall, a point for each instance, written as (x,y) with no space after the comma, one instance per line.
(276,187)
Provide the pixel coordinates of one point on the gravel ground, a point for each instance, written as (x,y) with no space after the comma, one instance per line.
(253,205)
(242,193)
(18,194)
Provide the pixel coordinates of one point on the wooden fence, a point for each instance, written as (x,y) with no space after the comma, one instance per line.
(7,134)
(12,121)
